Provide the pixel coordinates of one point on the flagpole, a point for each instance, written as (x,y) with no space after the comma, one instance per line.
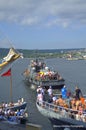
(8,73)
(11,97)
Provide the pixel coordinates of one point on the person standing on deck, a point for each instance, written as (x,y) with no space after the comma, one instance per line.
(64,92)
(78,93)
(50,91)
(40,97)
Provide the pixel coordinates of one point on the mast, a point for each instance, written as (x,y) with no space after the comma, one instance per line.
(11,95)
(6,74)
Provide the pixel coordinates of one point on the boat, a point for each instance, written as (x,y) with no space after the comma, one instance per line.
(16,106)
(62,116)
(39,74)
(15,113)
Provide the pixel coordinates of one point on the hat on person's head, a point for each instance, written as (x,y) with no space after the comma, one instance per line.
(50,87)
(64,86)
(38,86)
(76,87)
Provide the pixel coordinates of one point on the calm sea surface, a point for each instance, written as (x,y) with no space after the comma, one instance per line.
(74,72)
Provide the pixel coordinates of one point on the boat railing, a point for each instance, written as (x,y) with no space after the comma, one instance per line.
(63,111)
(47,78)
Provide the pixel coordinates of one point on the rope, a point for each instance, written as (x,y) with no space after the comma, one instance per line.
(6,41)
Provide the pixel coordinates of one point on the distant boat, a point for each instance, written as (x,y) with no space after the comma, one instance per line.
(40,75)
(73,58)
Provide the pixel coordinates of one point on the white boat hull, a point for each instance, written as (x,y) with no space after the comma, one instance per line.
(55,117)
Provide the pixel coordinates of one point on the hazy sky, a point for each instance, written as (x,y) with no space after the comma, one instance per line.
(43,24)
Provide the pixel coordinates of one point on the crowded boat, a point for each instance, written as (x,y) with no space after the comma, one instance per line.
(39,73)
(14,112)
(67,107)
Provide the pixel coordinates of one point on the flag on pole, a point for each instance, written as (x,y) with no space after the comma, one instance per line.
(7,73)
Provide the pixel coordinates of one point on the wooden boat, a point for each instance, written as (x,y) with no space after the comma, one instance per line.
(17,106)
(40,75)
(62,116)
(14,113)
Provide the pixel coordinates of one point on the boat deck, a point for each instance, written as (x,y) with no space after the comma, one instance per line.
(57,113)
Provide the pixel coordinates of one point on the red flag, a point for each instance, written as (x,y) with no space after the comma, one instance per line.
(7,73)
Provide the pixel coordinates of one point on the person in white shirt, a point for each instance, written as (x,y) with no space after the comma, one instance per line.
(40,97)
(50,91)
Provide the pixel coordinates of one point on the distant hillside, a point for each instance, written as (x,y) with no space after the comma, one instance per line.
(38,53)
(47,52)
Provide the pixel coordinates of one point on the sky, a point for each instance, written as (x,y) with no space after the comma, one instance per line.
(43,24)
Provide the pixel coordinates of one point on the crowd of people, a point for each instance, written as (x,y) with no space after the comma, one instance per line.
(44,94)
(44,72)
(7,112)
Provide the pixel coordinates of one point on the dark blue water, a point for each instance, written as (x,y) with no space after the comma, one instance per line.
(74,72)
